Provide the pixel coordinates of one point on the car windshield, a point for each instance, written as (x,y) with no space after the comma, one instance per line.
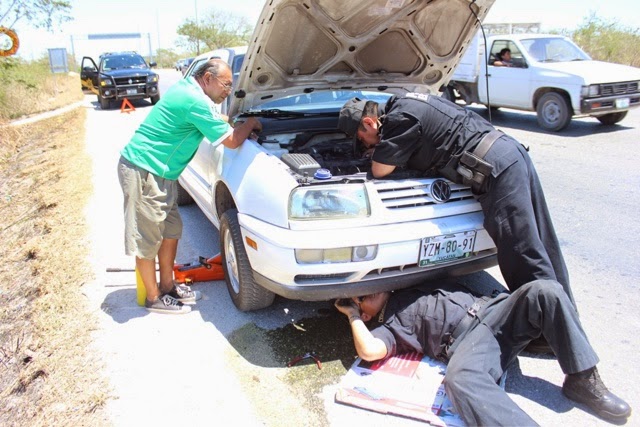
(123,61)
(323,100)
(554,49)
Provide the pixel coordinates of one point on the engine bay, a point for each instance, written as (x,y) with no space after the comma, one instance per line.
(331,150)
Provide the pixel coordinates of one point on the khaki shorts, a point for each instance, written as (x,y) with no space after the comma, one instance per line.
(150,210)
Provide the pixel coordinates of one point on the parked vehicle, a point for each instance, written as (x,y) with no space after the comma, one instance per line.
(298,212)
(550,75)
(121,75)
(185,65)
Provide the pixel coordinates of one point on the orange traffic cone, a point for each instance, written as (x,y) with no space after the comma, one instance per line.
(126,106)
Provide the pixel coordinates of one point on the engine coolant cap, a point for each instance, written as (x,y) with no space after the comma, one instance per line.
(322,174)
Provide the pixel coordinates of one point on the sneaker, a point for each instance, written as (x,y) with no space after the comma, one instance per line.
(184,294)
(587,388)
(167,304)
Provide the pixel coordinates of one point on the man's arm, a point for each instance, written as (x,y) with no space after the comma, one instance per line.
(380,170)
(241,132)
(368,347)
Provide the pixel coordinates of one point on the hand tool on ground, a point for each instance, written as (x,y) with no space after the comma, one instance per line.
(305,356)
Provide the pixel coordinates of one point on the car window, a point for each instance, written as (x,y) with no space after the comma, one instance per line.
(117,62)
(554,50)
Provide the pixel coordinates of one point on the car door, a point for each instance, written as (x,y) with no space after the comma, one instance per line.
(89,73)
(508,86)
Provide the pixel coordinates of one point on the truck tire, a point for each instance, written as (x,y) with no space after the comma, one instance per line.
(105,103)
(245,293)
(554,112)
(184,198)
(155,99)
(612,118)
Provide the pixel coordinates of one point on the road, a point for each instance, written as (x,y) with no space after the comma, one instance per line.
(218,365)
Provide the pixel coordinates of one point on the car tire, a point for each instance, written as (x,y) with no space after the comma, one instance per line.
(554,111)
(155,99)
(183,198)
(105,103)
(612,118)
(245,293)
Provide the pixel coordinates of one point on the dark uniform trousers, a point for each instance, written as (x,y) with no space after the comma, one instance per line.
(517,219)
(507,325)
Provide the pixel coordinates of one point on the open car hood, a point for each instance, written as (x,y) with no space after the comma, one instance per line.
(301,46)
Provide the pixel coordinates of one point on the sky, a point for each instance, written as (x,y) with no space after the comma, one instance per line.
(158,20)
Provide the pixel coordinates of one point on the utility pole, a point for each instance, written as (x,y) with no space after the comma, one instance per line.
(197,28)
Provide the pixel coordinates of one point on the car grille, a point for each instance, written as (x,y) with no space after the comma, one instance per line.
(618,88)
(415,192)
(136,80)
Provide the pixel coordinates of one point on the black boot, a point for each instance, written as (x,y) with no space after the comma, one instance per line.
(587,388)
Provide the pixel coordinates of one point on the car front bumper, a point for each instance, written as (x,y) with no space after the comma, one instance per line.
(395,266)
(609,104)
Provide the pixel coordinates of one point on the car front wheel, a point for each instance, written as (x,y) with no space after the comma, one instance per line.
(612,118)
(553,111)
(155,99)
(245,293)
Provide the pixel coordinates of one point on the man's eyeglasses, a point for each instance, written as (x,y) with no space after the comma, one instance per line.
(226,86)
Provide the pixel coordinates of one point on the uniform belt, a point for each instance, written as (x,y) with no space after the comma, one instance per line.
(470,318)
(472,167)
(486,142)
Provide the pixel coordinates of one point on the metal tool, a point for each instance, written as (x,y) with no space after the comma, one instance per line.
(309,355)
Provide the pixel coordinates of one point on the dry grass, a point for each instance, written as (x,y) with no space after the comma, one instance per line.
(29,88)
(47,375)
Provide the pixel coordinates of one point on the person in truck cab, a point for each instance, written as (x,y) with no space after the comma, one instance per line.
(150,165)
(480,338)
(437,137)
(503,59)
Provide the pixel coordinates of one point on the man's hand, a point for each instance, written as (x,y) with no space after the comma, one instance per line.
(350,309)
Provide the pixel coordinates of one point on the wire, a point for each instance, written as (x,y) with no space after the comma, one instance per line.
(486,60)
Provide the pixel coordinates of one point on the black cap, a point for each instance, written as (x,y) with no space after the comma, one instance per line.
(350,117)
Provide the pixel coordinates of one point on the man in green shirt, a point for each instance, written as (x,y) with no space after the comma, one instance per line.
(150,165)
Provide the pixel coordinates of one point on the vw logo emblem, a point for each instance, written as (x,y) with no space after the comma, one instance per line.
(440,191)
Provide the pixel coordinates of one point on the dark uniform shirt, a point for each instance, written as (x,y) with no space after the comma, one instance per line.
(421,132)
(419,319)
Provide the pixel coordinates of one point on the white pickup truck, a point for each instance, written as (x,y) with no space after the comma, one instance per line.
(548,74)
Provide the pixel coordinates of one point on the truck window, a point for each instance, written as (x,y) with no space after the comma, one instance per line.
(515,60)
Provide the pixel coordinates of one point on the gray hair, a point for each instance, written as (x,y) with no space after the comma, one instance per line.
(215,66)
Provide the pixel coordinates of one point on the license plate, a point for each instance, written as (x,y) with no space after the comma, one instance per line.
(448,247)
(132,91)
(622,103)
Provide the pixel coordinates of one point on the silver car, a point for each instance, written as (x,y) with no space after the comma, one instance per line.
(298,212)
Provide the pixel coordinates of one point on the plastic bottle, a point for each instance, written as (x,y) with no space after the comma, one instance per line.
(140,289)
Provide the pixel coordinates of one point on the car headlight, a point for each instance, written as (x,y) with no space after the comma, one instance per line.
(591,91)
(152,78)
(105,81)
(329,202)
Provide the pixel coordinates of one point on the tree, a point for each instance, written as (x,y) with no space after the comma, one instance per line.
(218,29)
(609,41)
(39,13)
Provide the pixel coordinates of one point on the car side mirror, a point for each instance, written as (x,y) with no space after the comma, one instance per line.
(153,64)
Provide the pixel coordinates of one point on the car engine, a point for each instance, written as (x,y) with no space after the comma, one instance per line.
(332,151)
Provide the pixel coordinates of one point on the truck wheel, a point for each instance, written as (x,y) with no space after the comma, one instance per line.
(245,293)
(155,99)
(612,118)
(105,103)
(554,112)
(184,198)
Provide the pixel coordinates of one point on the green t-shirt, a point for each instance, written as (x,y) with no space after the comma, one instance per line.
(169,137)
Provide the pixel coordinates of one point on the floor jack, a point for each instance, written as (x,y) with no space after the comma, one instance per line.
(203,270)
